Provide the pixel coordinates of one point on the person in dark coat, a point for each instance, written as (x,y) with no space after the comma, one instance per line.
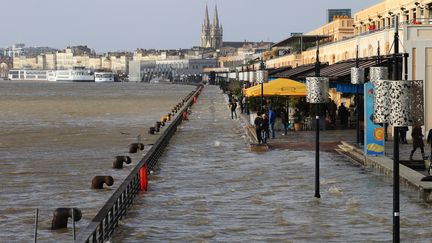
(284,116)
(343,115)
(233,106)
(258,127)
(332,108)
(429,141)
(272,121)
(403,132)
(265,127)
(417,136)
(241,104)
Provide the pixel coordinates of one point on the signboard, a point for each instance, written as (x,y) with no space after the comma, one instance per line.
(374,133)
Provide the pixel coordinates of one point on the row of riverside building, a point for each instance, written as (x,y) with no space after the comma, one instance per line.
(370,31)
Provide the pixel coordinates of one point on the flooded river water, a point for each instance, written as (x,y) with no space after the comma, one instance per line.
(55,137)
(211,188)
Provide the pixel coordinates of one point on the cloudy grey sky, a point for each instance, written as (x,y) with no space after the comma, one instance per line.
(129,24)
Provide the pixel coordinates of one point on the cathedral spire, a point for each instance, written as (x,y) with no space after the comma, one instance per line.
(216,18)
(206,17)
(211,33)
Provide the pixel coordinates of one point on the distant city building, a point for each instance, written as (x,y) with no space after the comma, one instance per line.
(5,65)
(80,50)
(14,50)
(211,34)
(332,13)
(180,69)
(21,50)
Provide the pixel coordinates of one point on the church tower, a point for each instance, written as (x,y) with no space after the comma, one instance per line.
(211,34)
(205,31)
(216,31)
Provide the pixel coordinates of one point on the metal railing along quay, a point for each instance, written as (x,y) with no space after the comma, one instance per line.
(107,219)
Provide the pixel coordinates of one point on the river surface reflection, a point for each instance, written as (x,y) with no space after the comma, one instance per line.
(56,136)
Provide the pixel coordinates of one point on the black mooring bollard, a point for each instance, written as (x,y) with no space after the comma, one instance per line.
(152,130)
(158,124)
(118,162)
(61,216)
(133,147)
(157,128)
(98,181)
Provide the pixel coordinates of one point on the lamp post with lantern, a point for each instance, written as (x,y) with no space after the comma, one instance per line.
(262,77)
(399,103)
(317,93)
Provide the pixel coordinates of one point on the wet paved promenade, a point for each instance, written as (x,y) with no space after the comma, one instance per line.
(329,139)
(213,189)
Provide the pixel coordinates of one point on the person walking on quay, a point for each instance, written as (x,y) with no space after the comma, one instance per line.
(284,116)
(265,128)
(429,141)
(332,108)
(417,136)
(343,115)
(245,106)
(258,127)
(403,132)
(272,120)
(241,104)
(233,106)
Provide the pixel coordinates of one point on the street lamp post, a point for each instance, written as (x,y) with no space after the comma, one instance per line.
(400,103)
(396,200)
(262,80)
(405,100)
(317,93)
(357,78)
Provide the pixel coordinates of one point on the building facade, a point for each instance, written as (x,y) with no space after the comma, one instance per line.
(337,13)
(180,69)
(374,30)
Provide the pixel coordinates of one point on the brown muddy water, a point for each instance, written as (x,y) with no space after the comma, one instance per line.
(56,136)
(211,188)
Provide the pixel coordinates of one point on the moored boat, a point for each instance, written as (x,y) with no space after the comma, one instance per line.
(76,74)
(104,77)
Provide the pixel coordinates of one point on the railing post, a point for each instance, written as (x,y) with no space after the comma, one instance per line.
(36,225)
(112,218)
(107,233)
(73,224)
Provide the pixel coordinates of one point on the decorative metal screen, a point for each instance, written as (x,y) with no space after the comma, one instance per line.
(400,103)
(378,73)
(381,101)
(417,102)
(252,77)
(317,90)
(261,76)
(357,75)
(246,76)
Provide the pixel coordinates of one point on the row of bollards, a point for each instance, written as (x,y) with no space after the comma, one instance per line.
(61,215)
